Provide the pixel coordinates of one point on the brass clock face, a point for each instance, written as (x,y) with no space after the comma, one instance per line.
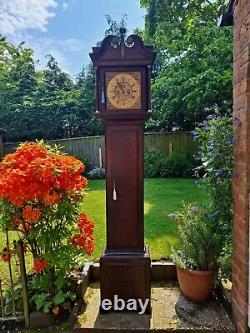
(123,90)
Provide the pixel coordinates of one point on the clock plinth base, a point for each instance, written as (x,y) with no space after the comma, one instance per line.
(126,275)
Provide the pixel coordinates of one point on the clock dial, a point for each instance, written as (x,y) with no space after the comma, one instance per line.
(123,90)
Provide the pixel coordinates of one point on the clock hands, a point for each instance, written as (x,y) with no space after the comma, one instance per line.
(121,86)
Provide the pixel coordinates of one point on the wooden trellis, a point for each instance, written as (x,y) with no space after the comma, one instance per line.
(12,314)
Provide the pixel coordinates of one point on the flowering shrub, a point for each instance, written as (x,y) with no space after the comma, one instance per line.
(215,142)
(40,195)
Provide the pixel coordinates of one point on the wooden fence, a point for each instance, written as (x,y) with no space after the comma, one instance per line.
(93,148)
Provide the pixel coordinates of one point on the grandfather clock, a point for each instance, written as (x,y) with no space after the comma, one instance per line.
(123,69)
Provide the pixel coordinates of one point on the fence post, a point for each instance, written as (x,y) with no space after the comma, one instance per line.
(170,148)
(20,254)
(100,157)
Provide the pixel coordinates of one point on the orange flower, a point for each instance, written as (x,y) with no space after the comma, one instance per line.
(39,265)
(84,238)
(31,214)
(34,172)
(51,199)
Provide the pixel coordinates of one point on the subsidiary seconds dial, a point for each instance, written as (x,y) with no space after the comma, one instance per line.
(123,90)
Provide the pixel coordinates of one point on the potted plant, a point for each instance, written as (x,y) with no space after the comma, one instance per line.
(196,257)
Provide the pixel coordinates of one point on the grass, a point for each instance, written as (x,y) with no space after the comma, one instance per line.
(162,196)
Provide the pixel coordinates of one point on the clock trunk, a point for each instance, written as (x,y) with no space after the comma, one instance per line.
(124,169)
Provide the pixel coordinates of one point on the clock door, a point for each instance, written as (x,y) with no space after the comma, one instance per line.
(124,167)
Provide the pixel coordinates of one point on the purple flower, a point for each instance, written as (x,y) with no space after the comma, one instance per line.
(194,134)
(210,117)
(231,138)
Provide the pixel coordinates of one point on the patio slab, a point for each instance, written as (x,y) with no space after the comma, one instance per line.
(171,312)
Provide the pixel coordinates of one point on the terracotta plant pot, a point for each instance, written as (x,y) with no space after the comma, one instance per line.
(195,285)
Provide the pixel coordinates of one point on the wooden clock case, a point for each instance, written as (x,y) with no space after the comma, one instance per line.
(125,263)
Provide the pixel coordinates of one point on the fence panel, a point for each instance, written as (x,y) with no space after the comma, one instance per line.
(181,142)
(93,148)
(85,147)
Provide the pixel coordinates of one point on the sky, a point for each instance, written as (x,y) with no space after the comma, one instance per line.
(67,29)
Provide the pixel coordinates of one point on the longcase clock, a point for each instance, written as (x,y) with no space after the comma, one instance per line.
(123,69)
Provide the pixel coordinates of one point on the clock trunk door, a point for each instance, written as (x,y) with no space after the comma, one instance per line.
(124,166)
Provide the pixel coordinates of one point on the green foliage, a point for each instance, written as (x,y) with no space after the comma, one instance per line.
(175,165)
(113,26)
(200,242)
(40,294)
(193,67)
(215,141)
(225,260)
(44,104)
(152,163)
(87,164)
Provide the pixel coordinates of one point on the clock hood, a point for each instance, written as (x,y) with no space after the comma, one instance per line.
(120,52)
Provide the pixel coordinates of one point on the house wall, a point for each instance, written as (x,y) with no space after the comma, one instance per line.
(241,182)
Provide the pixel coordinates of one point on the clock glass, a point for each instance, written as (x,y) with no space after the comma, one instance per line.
(123,90)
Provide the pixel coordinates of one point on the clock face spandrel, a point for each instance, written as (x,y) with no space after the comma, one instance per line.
(123,90)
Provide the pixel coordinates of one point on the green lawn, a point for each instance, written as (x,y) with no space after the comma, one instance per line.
(162,196)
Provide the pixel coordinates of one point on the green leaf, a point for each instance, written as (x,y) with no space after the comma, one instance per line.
(60,281)
(59,298)
(39,300)
(47,307)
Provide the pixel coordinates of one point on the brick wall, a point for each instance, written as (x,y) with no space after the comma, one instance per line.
(241,183)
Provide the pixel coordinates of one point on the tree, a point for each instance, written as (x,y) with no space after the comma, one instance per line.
(193,68)
(114,26)
(46,104)
(55,78)
(85,86)
(17,84)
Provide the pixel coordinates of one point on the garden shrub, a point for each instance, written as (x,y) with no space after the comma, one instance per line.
(215,141)
(152,163)
(86,162)
(41,191)
(156,164)
(97,173)
(177,165)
